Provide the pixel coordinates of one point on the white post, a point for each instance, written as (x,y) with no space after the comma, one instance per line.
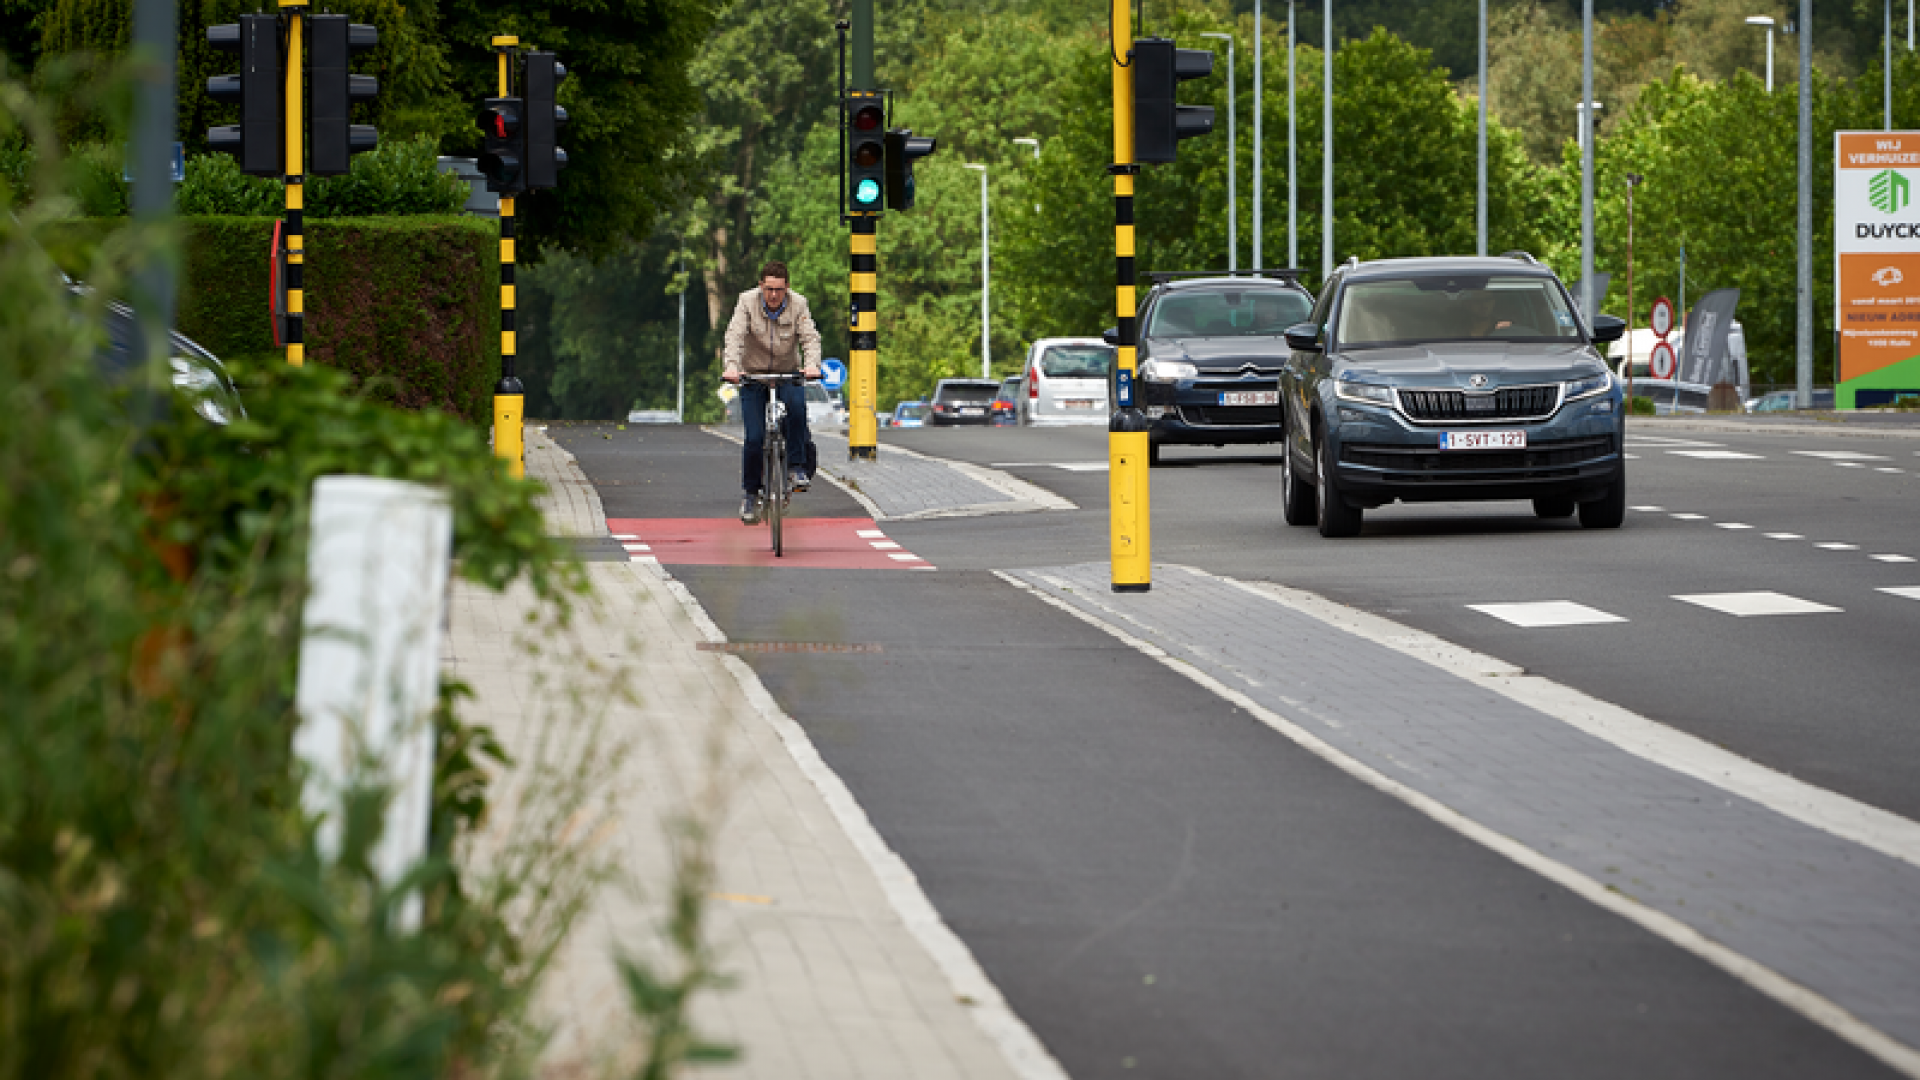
(378,557)
(1480,190)
(1293,158)
(986,281)
(1587,299)
(1259,110)
(680,356)
(1233,201)
(1326,145)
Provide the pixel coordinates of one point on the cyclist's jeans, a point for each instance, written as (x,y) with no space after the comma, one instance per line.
(753,414)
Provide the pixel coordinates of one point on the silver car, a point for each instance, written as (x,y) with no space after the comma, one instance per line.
(1065,382)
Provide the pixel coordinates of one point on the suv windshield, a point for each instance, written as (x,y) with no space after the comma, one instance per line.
(1075,362)
(1455,307)
(1226,312)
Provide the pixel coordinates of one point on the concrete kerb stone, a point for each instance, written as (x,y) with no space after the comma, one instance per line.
(1822,425)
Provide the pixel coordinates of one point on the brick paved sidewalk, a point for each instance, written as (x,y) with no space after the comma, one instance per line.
(843,968)
(900,485)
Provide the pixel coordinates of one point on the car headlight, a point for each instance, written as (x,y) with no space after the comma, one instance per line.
(1168,370)
(1589,386)
(1371,395)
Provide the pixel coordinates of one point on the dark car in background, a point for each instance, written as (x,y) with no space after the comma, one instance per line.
(961,401)
(1005,409)
(1210,353)
(197,374)
(1448,379)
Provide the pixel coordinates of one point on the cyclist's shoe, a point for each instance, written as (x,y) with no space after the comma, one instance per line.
(801,481)
(750,510)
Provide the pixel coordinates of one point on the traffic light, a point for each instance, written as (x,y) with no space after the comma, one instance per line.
(1160,122)
(544,158)
(503,149)
(333,91)
(256,140)
(866,152)
(903,149)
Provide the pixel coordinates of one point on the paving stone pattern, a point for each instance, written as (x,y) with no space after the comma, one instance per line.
(900,484)
(831,981)
(1829,914)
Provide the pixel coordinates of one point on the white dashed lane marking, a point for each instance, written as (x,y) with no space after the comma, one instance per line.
(1838,547)
(1911,592)
(1650,509)
(1746,604)
(1840,455)
(1718,455)
(1892,558)
(1547,613)
(1689,517)
(1785,536)
(1731,525)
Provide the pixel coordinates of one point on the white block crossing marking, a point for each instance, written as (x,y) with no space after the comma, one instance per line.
(1689,517)
(1785,536)
(1717,455)
(643,559)
(625,536)
(637,547)
(1665,442)
(1840,455)
(1849,465)
(1892,558)
(1911,592)
(1547,613)
(1731,525)
(1649,509)
(923,567)
(1831,546)
(870,534)
(1744,604)
(885,545)
(904,556)
(1633,457)
(1888,468)
(1082,466)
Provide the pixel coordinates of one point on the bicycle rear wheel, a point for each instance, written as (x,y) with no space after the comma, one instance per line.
(774,483)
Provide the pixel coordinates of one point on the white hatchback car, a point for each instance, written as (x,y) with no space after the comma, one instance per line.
(1065,382)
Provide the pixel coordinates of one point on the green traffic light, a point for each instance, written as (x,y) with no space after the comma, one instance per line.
(867,192)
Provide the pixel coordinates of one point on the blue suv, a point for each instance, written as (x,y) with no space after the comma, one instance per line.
(1450,379)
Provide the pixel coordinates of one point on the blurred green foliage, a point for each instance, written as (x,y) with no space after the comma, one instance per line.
(397,178)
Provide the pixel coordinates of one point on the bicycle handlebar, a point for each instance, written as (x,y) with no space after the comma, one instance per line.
(777,377)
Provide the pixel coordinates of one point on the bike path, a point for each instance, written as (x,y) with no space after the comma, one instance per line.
(1159,884)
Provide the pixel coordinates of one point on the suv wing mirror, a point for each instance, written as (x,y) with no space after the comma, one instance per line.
(1111,335)
(1608,328)
(1304,336)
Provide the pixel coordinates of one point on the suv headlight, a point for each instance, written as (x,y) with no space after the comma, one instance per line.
(1167,370)
(1363,392)
(1589,386)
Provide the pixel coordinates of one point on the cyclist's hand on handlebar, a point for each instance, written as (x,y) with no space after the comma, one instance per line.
(813,373)
(730,375)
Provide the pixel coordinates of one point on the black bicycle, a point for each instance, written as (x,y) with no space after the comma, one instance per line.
(776,483)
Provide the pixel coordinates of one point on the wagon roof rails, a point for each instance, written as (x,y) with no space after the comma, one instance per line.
(1161,277)
(1521,255)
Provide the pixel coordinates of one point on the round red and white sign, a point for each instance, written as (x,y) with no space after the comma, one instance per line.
(1661,363)
(1662,320)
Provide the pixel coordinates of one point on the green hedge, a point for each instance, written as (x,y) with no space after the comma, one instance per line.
(407,306)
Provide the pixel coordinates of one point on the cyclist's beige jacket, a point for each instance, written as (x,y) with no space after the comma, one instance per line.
(759,346)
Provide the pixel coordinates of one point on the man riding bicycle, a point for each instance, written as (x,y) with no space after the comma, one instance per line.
(772,333)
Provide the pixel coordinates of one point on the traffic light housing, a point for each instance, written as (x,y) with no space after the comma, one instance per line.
(1159,121)
(544,120)
(503,152)
(866,152)
(902,150)
(332,90)
(257,140)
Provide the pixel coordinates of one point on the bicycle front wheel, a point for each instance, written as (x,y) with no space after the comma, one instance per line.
(775,485)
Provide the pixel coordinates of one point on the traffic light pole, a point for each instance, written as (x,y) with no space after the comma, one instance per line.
(509,396)
(1129,495)
(294,164)
(864,349)
(863,281)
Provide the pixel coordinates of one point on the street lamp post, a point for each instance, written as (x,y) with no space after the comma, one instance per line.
(1293,161)
(1326,144)
(1259,96)
(986,281)
(1587,104)
(1035,143)
(1633,181)
(1766,21)
(1480,181)
(1585,131)
(1233,139)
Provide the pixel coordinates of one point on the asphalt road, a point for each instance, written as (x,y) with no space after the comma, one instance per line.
(1827,697)
(1163,887)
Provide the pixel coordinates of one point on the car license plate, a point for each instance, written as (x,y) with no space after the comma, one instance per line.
(1250,397)
(1483,440)
(1076,403)
(970,412)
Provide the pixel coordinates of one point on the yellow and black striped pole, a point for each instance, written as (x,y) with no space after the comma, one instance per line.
(295,167)
(1129,516)
(864,368)
(509,397)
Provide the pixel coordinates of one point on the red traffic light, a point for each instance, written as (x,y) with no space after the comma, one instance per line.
(867,118)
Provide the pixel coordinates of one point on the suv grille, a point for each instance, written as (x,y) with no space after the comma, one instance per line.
(1559,454)
(1510,403)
